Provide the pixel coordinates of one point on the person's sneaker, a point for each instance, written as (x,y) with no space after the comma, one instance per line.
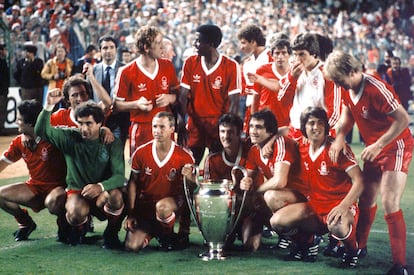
(23,233)
(268,232)
(167,242)
(77,234)
(398,269)
(350,259)
(111,239)
(284,242)
(362,252)
(295,253)
(90,227)
(182,241)
(63,229)
(334,249)
(310,252)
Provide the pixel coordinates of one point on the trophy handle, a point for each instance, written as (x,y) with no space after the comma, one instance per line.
(189,199)
(233,176)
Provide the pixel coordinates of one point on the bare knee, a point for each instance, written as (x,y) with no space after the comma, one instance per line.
(165,207)
(55,201)
(77,210)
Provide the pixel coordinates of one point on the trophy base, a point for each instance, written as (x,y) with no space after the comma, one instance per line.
(213,255)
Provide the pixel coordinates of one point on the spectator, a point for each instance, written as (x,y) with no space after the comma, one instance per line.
(89,57)
(4,86)
(400,79)
(28,76)
(58,68)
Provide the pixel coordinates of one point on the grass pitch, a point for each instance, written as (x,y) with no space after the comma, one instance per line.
(41,254)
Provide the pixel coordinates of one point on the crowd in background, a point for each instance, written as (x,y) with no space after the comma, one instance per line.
(365,28)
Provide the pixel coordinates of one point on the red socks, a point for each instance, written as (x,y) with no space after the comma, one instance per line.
(366,219)
(397,232)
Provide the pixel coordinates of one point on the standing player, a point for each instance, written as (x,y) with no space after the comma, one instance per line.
(145,87)
(306,85)
(383,124)
(95,170)
(334,190)
(155,190)
(47,170)
(210,87)
(273,72)
(252,44)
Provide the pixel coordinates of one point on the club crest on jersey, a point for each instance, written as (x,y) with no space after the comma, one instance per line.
(323,171)
(45,154)
(164,83)
(148,171)
(104,155)
(364,112)
(196,78)
(306,164)
(142,87)
(172,174)
(217,83)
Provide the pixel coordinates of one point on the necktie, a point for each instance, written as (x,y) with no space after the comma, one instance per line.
(107,80)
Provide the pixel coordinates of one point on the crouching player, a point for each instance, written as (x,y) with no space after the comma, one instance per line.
(95,171)
(47,171)
(155,187)
(334,190)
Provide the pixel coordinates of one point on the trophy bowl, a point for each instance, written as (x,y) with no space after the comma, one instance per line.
(212,207)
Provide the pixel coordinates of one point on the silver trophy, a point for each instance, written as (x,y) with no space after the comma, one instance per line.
(213,208)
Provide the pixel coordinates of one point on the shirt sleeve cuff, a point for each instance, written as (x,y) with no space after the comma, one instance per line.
(101,185)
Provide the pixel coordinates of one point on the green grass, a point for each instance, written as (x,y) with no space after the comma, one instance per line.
(41,254)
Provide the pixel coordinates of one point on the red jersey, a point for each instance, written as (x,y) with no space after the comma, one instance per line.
(217,166)
(269,99)
(133,82)
(370,108)
(159,179)
(46,164)
(285,150)
(329,182)
(210,88)
(63,118)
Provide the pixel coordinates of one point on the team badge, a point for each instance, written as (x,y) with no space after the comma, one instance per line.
(172,174)
(217,83)
(323,171)
(364,112)
(44,154)
(164,83)
(306,164)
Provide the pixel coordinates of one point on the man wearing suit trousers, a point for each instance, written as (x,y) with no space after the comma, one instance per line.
(105,73)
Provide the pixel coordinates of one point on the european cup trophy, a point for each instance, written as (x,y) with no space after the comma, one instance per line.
(213,208)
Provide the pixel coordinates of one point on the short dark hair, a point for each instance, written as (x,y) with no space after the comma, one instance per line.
(317,112)
(252,33)
(306,41)
(107,38)
(232,120)
(269,119)
(90,48)
(280,44)
(30,110)
(73,81)
(210,34)
(90,108)
(31,49)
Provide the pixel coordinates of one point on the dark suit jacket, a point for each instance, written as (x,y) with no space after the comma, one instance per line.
(116,120)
